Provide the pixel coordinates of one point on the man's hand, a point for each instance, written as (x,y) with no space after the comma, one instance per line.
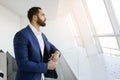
(55,57)
(53,60)
(51,65)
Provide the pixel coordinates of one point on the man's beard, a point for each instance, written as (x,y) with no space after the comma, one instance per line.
(40,22)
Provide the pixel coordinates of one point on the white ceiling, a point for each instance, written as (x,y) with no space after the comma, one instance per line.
(21,7)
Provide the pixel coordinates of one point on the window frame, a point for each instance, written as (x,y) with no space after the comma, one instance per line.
(113,20)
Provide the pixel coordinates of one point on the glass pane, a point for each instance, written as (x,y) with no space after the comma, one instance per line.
(99,16)
(108,42)
(111,51)
(116,7)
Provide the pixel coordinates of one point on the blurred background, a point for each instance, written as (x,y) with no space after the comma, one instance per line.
(87,32)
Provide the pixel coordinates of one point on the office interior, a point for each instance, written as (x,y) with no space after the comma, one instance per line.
(87,32)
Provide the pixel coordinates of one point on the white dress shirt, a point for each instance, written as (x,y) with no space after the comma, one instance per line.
(40,41)
(39,38)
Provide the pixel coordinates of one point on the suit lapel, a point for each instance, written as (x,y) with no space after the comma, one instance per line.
(46,55)
(46,48)
(35,40)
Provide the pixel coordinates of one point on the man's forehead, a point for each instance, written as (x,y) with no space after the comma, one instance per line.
(40,11)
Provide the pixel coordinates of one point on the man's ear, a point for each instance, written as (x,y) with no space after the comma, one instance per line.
(34,17)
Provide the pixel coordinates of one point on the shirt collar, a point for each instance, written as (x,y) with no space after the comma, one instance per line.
(35,31)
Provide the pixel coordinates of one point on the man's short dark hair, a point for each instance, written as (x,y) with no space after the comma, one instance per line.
(32,11)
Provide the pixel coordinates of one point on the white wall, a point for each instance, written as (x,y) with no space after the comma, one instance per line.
(9,25)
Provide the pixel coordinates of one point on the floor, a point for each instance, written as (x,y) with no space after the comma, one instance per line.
(97,67)
(113,66)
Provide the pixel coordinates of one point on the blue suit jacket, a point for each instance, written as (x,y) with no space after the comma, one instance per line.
(28,56)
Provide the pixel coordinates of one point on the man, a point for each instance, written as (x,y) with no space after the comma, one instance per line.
(36,57)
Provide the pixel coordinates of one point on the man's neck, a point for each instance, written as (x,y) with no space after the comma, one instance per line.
(36,26)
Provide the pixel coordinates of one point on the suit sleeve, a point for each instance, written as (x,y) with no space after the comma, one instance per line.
(52,48)
(21,55)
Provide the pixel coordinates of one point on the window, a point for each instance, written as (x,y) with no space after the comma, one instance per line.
(105,28)
(116,8)
(99,17)
(108,42)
